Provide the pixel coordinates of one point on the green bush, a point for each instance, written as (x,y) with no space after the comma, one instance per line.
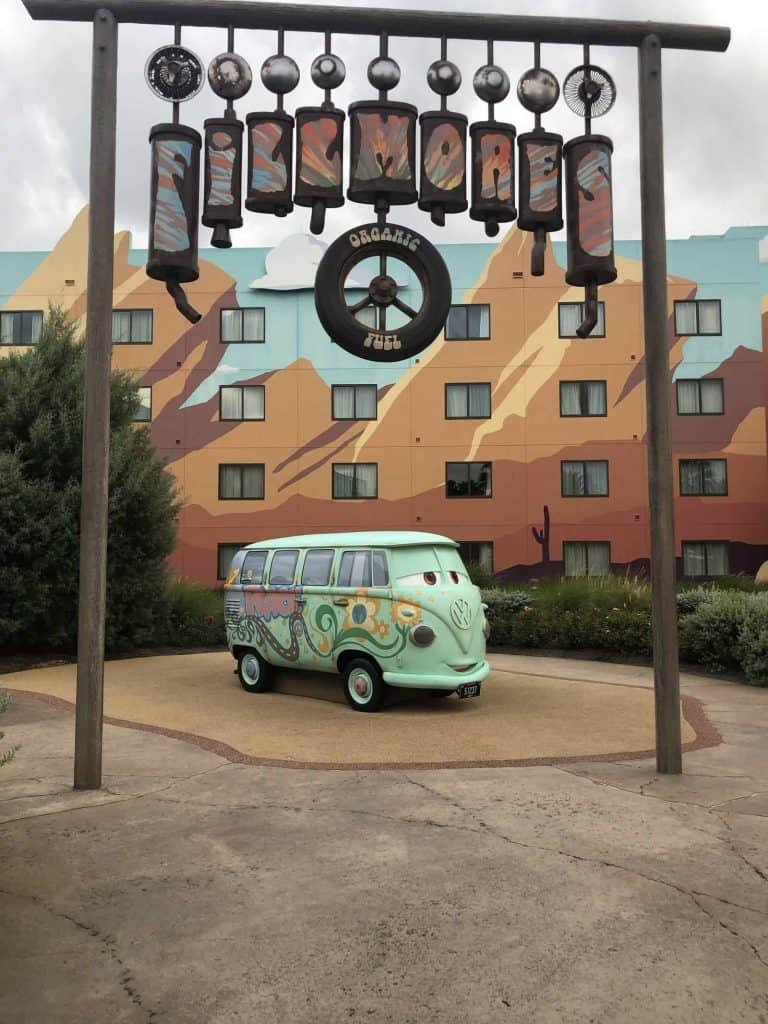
(481,576)
(709,636)
(195,616)
(6,755)
(752,644)
(689,600)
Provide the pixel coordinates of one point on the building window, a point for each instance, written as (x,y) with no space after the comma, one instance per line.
(355,479)
(477,552)
(587,557)
(244,481)
(584,479)
(570,315)
(242,325)
(583,398)
(700,397)
(468,323)
(224,555)
(706,558)
(698,316)
(354,401)
(144,412)
(131,326)
(468,480)
(21,328)
(703,476)
(467,401)
(244,402)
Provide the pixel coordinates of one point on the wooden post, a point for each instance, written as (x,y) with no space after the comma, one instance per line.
(661,495)
(98,355)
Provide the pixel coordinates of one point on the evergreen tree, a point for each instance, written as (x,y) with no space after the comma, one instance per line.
(41,412)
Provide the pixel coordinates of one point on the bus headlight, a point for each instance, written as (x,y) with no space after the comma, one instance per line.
(486,628)
(422,635)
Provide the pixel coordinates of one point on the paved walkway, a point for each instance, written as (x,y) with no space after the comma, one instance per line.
(192,889)
(518,719)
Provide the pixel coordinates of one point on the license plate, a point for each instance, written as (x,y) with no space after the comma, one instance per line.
(469,690)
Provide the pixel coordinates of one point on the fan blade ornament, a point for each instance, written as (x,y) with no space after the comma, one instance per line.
(541,164)
(270,141)
(589,91)
(229,76)
(443,147)
(493,153)
(174,74)
(320,142)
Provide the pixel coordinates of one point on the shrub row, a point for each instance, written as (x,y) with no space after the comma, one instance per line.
(719,629)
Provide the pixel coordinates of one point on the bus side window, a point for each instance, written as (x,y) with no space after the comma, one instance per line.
(380,573)
(253,567)
(317,568)
(355,569)
(283,567)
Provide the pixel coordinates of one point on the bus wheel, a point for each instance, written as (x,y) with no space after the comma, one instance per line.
(364,688)
(254,673)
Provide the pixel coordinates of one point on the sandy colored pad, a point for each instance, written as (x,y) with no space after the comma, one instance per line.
(517,719)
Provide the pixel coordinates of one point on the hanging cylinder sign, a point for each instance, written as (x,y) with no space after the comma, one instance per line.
(270,163)
(590,219)
(222,180)
(383,145)
(174,205)
(541,190)
(443,164)
(319,171)
(493,174)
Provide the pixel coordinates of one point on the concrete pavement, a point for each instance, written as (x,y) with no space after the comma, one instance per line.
(192,889)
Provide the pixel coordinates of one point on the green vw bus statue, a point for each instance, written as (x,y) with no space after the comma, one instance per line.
(381,608)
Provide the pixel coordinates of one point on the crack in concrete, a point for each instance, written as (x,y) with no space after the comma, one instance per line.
(107,942)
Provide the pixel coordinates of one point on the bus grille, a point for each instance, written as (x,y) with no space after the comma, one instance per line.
(233,608)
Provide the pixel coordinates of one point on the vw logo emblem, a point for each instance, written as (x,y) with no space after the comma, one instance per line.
(461,613)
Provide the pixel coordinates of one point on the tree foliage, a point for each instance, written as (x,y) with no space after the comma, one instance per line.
(41,411)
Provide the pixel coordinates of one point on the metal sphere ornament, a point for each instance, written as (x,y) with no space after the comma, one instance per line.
(538,90)
(444,77)
(589,91)
(230,76)
(328,71)
(174,73)
(280,74)
(491,83)
(383,73)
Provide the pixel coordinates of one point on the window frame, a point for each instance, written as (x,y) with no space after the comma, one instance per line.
(697,333)
(243,419)
(331,566)
(593,333)
(355,418)
(586,544)
(472,462)
(21,313)
(254,551)
(701,494)
(241,310)
(467,336)
(698,381)
(354,497)
(467,385)
(227,544)
(241,466)
(583,415)
(469,561)
(705,575)
(145,387)
(585,462)
(130,312)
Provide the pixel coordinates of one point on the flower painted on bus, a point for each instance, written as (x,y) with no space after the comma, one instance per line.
(404,613)
(362,613)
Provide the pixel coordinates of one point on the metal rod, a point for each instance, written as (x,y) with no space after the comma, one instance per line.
(230,49)
(176,42)
(383,52)
(587,94)
(364,20)
(660,482)
(98,355)
(327,101)
(537,115)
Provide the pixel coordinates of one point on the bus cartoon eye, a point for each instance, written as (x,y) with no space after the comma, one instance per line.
(430,578)
(453,577)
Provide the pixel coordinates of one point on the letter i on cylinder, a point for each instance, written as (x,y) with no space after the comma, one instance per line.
(589,200)
(174,204)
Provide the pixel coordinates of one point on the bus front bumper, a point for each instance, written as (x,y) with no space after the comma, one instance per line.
(438,681)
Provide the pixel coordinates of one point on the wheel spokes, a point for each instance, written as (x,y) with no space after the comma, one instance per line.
(404,308)
(359,305)
(382,318)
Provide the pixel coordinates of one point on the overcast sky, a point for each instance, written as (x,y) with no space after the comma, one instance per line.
(715,115)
